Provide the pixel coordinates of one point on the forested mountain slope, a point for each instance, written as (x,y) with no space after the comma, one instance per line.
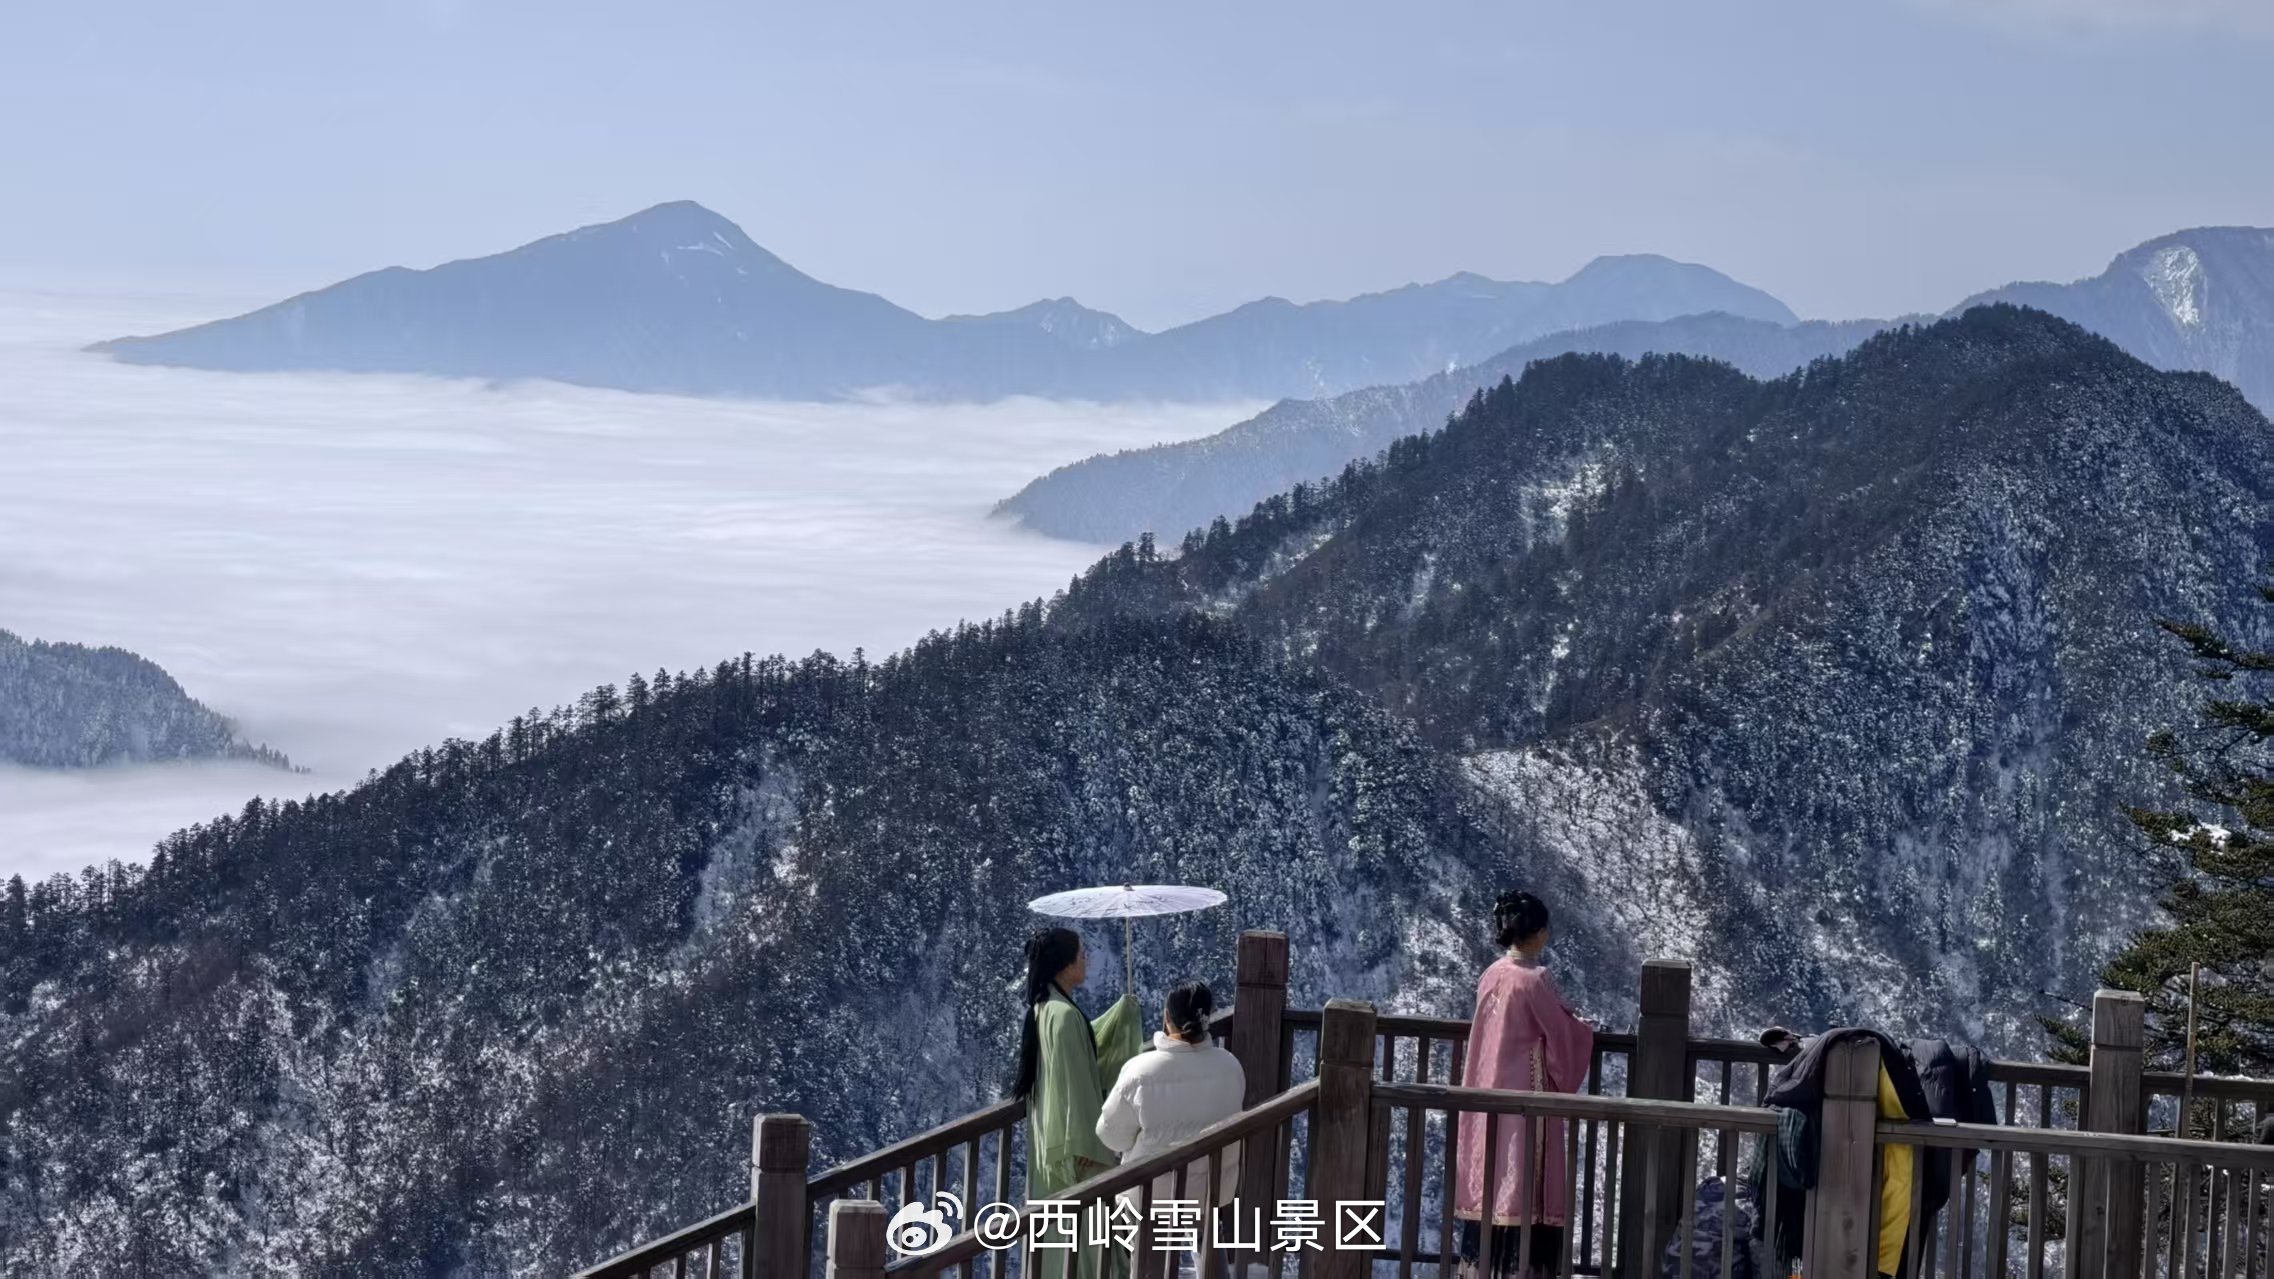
(1169,488)
(512,1003)
(71,706)
(1838,678)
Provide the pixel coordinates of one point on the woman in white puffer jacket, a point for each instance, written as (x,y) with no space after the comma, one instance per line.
(1167,1097)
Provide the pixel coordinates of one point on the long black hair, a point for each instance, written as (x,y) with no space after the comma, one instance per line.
(1188,1008)
(1516,918)
(1047,954)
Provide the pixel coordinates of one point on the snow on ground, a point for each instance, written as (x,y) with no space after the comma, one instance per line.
(352,567)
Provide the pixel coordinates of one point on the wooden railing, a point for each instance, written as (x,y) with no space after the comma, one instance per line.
(1660,1108)
(1270,1127)
(978,1152)
(2203,1203)
(1424,1122)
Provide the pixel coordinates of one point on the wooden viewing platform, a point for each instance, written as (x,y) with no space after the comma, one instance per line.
(1350,1104)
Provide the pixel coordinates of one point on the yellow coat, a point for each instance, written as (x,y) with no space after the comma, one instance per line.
(1894,1183)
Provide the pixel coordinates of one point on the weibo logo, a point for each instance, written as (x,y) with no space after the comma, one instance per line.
(920,1228)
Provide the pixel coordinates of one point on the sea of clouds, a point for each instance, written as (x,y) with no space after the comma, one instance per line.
(355,566)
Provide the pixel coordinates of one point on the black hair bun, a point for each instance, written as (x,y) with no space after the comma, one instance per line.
(1517,916)
(1189,1006)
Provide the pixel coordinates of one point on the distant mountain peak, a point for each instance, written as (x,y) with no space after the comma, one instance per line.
(1643,259)
(675,216)
(1627,266)
(677,228)
(675,297)
(1063,319)
(2200,299)
(2178,268)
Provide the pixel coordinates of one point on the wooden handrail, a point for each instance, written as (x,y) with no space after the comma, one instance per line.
(1246,1123)
(2170,1083)
(647,1256)
(2164,1083)
(2068,1141)
(922,1146)
(1499,1101)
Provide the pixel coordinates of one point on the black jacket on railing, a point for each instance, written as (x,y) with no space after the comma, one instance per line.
(1933,1078)
(1796,1090)
(1956,1080)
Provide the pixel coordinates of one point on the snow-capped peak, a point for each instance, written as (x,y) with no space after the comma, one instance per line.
(2174,274)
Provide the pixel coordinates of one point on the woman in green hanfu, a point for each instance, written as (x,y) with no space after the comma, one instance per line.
(1067,1064)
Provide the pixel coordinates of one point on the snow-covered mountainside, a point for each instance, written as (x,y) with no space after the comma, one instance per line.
(1837,679)
(1169,488)
(677,298)
(70,706)
(510,1004)
(1832,682)
(2200,299)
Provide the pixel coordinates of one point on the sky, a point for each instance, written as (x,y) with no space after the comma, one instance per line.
(352,567)
(1163,161)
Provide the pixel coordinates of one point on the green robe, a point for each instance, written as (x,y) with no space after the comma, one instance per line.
(1070,1084)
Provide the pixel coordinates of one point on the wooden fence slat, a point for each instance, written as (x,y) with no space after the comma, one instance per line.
(1448,1243)
(1953,1210)
(1769,1208)
(1594,1141)
(1571,1129)
(1685,1215)
(1409,1216)
(1728,1142)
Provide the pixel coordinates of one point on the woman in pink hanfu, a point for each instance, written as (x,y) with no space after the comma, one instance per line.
(1522,1038)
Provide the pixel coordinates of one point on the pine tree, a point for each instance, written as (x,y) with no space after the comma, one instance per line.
(2221,844)
(14,915)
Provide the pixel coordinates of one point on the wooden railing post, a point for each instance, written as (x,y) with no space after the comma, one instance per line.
(780,1148)
(856,1239)
(1259,1008)
(1652,1201)
(2105,1209)
(1843,1209)
(1343,1122)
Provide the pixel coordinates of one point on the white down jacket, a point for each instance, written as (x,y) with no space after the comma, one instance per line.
(1167,1097)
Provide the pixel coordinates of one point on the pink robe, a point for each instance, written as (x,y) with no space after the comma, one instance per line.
(1523,1038)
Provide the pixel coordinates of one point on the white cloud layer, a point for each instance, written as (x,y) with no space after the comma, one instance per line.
(352,567)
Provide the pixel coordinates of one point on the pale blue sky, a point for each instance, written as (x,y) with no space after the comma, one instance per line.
(1160,160)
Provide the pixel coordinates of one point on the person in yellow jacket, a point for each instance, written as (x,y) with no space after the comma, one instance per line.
(1894,1182)
(1797,1087)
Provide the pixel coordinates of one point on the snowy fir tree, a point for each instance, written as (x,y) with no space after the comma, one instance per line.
(2221,905)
